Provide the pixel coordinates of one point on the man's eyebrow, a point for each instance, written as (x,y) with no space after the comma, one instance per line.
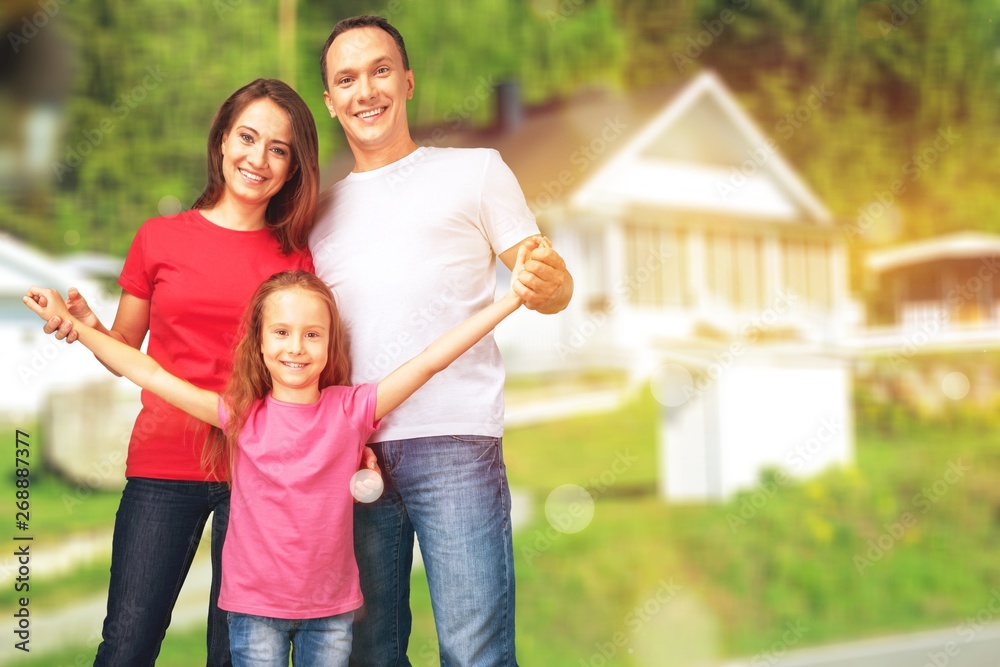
(350,70)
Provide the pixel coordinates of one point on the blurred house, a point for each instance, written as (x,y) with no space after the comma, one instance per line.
(82,410)
(943,283)
(703,263)
(935,312)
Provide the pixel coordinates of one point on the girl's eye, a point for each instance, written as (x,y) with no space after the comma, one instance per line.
(280,332)
(246,138)
(279,151)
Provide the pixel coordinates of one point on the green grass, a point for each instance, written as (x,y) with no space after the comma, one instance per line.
(51,592)
(589,451)
(182,649)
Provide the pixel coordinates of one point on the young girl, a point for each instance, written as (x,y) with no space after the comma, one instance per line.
(292,433)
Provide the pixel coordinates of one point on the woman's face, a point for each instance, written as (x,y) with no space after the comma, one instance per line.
(257,153)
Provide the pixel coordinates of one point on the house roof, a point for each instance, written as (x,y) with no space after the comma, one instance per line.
(703,152)
(960,245)
(667,146)
(22,266)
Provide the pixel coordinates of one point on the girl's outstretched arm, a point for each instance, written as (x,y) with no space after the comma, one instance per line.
(141,369)
(402,382)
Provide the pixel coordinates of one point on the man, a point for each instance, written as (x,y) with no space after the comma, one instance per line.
(408,243)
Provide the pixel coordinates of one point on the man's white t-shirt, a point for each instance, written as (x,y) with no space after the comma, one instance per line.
(409,251)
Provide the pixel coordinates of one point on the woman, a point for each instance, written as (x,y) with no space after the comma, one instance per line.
(186,281)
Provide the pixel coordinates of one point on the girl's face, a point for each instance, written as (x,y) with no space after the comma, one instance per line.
(295,339)
(257,153)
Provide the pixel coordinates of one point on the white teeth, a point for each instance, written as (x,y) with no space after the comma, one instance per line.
(369,114)
(293,365)
(252,177)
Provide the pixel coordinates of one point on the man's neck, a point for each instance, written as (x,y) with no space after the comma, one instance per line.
(368,160)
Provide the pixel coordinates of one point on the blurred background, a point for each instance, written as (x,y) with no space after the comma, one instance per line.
(762,433)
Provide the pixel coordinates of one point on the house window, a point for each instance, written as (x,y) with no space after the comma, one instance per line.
(734,272)
(818,272)
(720,276)
(806,271)
(747,274)
(654,267)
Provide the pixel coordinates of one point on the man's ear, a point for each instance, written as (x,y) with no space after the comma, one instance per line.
(328,101)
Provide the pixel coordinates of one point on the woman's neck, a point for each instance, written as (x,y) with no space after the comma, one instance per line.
(236,215)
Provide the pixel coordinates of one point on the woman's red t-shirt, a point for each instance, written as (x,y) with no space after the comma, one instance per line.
(198,278)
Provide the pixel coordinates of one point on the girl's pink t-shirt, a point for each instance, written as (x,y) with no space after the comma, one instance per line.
(198,278)
(289,551)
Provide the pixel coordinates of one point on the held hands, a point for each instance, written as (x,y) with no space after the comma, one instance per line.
(48,305)
(516,288)
(540,275)
(78,307)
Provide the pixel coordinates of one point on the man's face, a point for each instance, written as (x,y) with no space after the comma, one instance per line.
(367,89)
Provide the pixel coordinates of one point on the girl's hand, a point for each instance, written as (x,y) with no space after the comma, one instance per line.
(46,303)
(522,257)
(79,309)
(368,460)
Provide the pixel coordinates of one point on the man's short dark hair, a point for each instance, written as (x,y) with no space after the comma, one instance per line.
(362,21)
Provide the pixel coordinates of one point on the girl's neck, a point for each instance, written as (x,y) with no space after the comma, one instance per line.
(236,215)
(303,396)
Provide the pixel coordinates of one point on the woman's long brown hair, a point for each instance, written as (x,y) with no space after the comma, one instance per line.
(251,381)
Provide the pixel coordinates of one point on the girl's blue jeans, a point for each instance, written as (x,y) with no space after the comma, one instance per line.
(259,641)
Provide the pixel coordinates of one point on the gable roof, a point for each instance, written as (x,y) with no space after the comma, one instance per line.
(702,151)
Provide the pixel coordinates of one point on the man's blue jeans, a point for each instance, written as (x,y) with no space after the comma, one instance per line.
(157,531)
(452,492)
(259,641)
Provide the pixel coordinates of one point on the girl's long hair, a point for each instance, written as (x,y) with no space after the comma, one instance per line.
(291,213)
(251,381)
